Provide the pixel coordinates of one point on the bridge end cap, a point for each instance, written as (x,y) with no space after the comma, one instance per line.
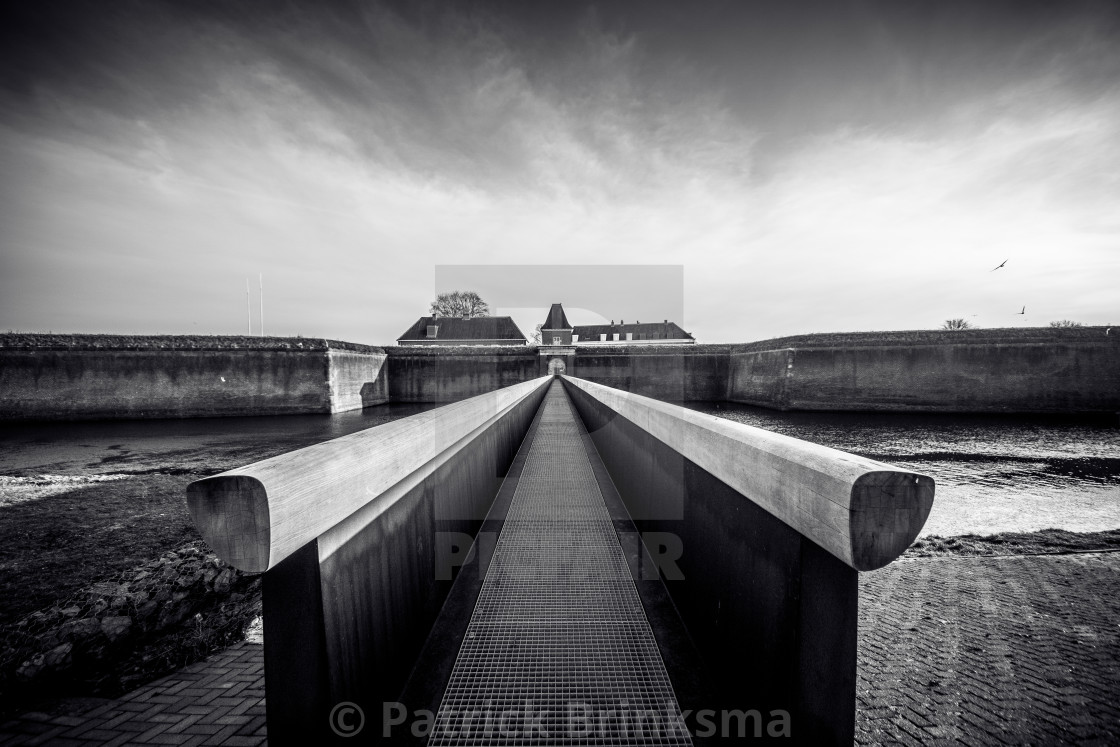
(231,512)
(888,509)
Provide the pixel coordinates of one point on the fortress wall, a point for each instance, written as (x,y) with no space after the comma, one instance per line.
(56,379)
(357,379)
(1078,375)
(759,377)
(60,377)
(434,374)
(449,374)
(672,374)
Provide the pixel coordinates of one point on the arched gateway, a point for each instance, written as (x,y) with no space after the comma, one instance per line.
(556,366)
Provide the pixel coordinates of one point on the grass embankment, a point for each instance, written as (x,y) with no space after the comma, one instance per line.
(51,341)
(995,336)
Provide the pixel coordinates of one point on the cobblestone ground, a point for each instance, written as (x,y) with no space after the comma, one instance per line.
(1011,650)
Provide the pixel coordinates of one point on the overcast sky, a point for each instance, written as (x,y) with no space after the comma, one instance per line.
(812,167)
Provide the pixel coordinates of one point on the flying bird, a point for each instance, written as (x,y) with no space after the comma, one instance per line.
(1001,264)
(1024,311)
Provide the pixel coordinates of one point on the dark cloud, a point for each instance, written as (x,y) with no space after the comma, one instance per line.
(764,139)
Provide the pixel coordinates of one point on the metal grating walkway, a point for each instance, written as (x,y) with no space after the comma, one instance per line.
(558,650)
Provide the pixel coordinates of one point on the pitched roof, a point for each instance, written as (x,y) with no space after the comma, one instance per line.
(454,329)
(556,318)
(666,330)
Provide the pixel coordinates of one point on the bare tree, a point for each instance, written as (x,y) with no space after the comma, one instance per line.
(1065,323)
(956,324)
(537,334)
(466,304)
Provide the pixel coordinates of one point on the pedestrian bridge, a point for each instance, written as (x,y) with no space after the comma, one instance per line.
(559,562)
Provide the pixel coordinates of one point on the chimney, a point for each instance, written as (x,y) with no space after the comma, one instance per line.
(666,321)
(612,322)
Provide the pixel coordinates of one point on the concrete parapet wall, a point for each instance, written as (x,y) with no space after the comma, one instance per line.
(97,377)
(353,534)
(763,545)
(865,513)
(1065,374)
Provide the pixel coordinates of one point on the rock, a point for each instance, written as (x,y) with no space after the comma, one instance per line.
(30,669)
(71,611)
(36,618)
(141,576)
(172,614)
(224,581)
(58,657)
(79,630)
(105,588)
(188,578)
(116,627)
(146,609)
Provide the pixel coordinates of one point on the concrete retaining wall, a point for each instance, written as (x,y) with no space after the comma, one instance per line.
(1073,375)
(148,381)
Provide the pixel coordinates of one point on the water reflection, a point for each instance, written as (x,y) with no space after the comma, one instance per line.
(994,473)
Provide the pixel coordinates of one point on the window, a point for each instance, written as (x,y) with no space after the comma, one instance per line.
(433,330)
(575,338)
(629,335)
(602,337)
(555,340)
(616,336)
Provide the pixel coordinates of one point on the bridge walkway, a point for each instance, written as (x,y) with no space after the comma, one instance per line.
(558,649)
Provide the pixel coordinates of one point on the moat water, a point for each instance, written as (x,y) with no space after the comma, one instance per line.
(993,473)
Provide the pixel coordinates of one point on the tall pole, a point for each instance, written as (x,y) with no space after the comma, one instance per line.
(248,307)
(262,303)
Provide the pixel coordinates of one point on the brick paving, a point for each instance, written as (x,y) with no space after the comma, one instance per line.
(1011,650)
(219,701)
